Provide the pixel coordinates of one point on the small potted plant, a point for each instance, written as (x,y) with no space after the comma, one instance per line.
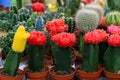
(35,69)
(90,68)
(63,56)
(112,55)
(10,69)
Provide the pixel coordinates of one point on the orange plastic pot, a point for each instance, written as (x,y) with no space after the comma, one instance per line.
(20,76)
(89,76)
(54,76)
(36,75)
(111,76)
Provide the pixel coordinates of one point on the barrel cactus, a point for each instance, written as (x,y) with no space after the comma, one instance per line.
(87,20)
(113,18)
(97,8)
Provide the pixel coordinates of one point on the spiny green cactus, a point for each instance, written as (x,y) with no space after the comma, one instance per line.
(112,59)
(39,24)
(113,18)
(90,57)
(24,10)
(36,58)
(97,8)
(14,19)
(14,9)
(71,24)
(22,17)
(87,20)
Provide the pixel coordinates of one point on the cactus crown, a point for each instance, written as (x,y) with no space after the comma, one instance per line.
(97,8)
(87,20)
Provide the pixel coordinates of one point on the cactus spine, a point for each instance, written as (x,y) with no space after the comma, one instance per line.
(90,58)
(113,18)
(71,24)
(39,24)
(87,20)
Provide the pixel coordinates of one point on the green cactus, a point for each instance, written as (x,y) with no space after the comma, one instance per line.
(90,57)
(112,59)
(114,5)
(97,8)
(113,18)
(87,20)
(71,24)
(36,58)
(14,19)
(14,9)
(63,12)
(63,58)
(12,58)
(73,5)
(24,10)
(22,17)
(39,24)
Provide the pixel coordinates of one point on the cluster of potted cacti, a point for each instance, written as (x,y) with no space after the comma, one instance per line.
(62,29)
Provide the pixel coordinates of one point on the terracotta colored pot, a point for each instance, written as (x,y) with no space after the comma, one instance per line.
(17,77)
(60,77)
(89,76)
(36,75)
(111,76)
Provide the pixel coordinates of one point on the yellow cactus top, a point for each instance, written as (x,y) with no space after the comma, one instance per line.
(52,7)
(20,38)
(102,3)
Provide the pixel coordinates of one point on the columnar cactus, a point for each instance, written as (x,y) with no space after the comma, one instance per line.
(71,24)
(14,56)
(113,18)
(112,55)
(39,24)
(87,20)
(97,8)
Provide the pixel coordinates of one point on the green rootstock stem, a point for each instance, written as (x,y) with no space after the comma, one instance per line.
(36,58)
(90,58)
(12,63)
(63,59)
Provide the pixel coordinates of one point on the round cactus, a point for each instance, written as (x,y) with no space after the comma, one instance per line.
(97,8)
(113,18)
(87,20)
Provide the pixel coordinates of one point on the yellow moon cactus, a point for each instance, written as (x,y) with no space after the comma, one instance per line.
(102,3)
(20,38)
